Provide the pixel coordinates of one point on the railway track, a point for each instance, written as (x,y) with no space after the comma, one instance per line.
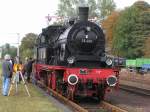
(100,107)
(135,90)
(78,107)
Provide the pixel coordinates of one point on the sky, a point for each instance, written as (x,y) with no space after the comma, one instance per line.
(25,16)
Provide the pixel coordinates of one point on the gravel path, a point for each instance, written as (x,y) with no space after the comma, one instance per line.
(129,101)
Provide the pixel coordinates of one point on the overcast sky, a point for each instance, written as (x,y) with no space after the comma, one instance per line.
(25,16)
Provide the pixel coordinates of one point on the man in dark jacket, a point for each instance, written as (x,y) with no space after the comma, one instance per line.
(29,68)
(7,74)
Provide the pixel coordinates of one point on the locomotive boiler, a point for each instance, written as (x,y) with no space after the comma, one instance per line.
(71,58)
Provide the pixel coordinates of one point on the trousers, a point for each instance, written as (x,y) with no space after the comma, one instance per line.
(5,85)
(28,76)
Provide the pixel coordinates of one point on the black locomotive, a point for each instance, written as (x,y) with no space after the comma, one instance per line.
(71,59)
(77,43)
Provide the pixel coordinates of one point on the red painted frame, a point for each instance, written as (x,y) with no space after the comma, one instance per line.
(97,75)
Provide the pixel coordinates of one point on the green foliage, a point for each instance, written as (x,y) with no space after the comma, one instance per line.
(67,8)
(27,45)
(93,11)
(100,9)
(106,7)
(7,49)
(131,31)
(108,24)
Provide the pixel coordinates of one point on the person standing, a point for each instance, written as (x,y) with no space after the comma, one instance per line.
(29,68)
(24,71)
(7,74)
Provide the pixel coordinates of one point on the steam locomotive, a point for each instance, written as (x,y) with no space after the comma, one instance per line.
(71,59)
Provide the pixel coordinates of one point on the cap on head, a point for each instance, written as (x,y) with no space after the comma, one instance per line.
(7,57)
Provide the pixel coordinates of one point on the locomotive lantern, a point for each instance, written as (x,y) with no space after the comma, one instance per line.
(71,58)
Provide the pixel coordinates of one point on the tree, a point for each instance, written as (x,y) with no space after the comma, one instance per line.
(27,45)
(108,25)
(67,8)
(7,49)
(131,31)
(147,48)
(106,7)
(98,8)
(94,9)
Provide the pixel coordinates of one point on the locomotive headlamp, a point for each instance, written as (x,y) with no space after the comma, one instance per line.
(109,61)
(70,60)
(111,80)
(72,79)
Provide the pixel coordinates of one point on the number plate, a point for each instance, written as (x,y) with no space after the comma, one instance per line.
(83,71)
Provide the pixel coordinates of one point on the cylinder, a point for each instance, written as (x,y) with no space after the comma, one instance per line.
(83,13)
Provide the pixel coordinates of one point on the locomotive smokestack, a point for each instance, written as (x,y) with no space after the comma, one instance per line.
(83,13)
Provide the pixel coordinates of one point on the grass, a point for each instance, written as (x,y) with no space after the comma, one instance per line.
(22,103)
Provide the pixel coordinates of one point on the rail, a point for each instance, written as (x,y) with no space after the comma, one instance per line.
(135,90)
(78,108)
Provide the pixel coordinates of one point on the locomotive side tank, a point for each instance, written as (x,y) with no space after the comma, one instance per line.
(71,59)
